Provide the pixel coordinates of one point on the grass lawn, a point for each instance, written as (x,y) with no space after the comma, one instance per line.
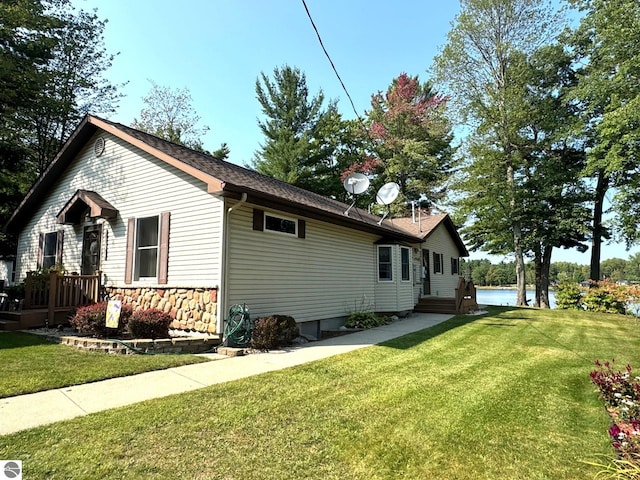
(506,395)
(31,364)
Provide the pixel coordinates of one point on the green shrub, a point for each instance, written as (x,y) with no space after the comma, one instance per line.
(606,297)
(273,332)
(364,319)
(150,323)
(91,320)
(568,296)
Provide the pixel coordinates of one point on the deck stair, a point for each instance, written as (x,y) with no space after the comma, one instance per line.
(436,305)
(33,318)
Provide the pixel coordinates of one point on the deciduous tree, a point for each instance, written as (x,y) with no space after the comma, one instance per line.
(168,113)
(412,141)
(52,66)
(477,65)
(607,45)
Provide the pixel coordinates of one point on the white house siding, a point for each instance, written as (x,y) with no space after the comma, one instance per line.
(138,185)
(323,276)
(442,284)
(395,295)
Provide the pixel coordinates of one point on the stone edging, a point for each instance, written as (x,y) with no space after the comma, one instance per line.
(135,346)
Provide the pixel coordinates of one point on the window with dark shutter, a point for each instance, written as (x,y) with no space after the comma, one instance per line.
(50,249)
(455,266)
(146,247)
(163,260)
(59,245)
(258,219)
(438,259)
(128,268)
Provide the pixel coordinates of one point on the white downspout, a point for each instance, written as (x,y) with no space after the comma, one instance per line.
(223,296)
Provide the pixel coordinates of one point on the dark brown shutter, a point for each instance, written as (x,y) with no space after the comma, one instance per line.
(163,260)
(59,244)
(128,265)
(302,229)
(258,219)
(41,250)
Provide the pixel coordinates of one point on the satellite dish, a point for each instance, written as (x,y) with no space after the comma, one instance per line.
(387,193)
(355,184)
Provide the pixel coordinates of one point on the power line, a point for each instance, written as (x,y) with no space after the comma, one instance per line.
(304,3)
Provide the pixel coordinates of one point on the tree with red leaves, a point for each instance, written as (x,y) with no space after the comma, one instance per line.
(412,141)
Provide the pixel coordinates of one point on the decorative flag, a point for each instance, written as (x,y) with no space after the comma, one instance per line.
(113,313)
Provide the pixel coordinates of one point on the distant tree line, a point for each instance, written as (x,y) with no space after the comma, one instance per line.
(487,274)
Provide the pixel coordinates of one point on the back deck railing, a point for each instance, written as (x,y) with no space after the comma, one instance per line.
(57,292)
(466,296)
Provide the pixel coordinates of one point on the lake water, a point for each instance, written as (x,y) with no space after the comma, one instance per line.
(506,296)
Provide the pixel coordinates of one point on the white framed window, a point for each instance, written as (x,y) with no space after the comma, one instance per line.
(405,258)
(385,264)
(147,257)
(278,224)
(272,222)
(147,245)
(438,262)
(49,250)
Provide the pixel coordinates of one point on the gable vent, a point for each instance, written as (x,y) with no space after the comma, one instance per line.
(98,146)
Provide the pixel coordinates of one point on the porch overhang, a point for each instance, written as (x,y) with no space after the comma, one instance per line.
(74,209)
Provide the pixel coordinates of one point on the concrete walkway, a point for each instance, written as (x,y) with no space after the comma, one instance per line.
(32,410)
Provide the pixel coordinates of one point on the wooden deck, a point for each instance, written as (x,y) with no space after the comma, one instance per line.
(33,318)
(49,299)
(464,301)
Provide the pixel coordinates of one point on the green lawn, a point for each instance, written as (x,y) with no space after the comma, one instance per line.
(503,396)
(31,364)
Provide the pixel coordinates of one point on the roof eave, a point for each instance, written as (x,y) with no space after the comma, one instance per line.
(272,201)
(72,146)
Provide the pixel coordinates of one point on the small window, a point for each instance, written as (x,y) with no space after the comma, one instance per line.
(438,260)
(384,264)
(146,247)
(49,249)
(280,224)
(406,265)
(455,266)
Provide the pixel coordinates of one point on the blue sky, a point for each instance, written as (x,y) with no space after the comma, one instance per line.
(217,50)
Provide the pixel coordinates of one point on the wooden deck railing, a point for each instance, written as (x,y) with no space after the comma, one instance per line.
(58,292)
(466,296)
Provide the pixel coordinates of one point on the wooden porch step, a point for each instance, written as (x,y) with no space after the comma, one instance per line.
(436,305)
(35,318)
(9,325)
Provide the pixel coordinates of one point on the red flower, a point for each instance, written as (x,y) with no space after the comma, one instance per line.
(614,431)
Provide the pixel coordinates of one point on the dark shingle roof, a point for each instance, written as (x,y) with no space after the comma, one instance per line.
(263,189)
(223,178)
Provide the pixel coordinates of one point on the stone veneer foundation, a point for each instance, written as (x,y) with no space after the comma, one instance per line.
(191,308)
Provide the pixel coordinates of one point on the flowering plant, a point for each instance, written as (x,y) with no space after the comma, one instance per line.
(620,391)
